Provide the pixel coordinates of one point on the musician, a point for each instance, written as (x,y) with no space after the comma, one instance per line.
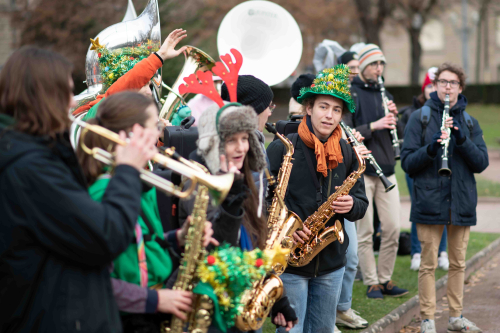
(346,316)
(136,292)
(138,77)
(418,102)
(444,201)
(371,121)
(232,145)
(314,289)
(56,242)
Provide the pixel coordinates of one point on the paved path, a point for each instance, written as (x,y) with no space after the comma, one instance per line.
(481,301)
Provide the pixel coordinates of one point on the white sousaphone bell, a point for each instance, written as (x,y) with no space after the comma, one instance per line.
(267,36)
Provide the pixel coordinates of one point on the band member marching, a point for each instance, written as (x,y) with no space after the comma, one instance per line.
(376,125)
(443,148)
(319,166)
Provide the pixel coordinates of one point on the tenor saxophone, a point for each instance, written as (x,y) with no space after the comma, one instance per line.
(321,237)
(200,318)
(281,224)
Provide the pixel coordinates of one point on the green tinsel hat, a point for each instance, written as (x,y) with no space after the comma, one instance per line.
(227,273)
(331,81)
(114,64)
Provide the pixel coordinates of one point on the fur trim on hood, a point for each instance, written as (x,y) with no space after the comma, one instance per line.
(233,120)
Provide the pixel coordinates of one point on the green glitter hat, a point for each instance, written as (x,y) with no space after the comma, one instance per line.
(115,63)
(331,81)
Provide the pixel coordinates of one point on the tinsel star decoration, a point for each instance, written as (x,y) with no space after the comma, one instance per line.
(95,44)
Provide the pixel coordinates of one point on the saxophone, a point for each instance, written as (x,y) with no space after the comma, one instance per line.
(321,237)
(200,318)
(281,224)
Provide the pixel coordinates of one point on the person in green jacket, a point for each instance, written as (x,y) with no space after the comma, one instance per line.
(140,273)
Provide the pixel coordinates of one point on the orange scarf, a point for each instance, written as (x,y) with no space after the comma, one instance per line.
(328,155)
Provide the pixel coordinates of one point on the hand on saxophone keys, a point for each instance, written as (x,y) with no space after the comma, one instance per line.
(357,135)
(363,151)
(207,233)
(176,302)
(343,204)
(301,235)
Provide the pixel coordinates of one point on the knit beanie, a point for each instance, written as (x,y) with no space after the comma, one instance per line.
(369,54)
(347,56)
(252,92)
(429,77)
(304,80)
(233,119)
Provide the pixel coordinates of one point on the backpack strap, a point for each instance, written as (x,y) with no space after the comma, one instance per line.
(425,117)
(348,155)
(468,122)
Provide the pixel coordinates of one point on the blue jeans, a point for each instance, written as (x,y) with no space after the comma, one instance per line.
(313,299)
(351,267)
(415,243)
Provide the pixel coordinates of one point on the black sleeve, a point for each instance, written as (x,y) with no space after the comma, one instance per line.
(64,218)
(358,194)
(226,225)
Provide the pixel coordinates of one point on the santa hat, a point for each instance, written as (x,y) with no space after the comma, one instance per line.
(429,77)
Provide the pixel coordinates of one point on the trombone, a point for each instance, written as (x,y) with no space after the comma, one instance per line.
(219,185)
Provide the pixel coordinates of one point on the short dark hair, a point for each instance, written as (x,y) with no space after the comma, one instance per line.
(35,91)
(456,69)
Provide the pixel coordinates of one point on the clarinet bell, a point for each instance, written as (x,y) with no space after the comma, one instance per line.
(387,184)
(444,171)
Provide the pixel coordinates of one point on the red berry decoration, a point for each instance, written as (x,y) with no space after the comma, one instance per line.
(210,260)
(131,58)
(99,54)
(313,85)
(150,47)
(259,262)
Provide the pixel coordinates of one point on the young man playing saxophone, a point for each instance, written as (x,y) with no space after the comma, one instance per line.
(439,201)
(318,166)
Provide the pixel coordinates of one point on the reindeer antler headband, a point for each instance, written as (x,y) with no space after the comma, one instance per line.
(203,83)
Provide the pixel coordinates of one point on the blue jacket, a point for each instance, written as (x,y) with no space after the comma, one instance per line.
(435,199)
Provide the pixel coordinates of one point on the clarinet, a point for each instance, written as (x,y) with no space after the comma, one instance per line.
(352,139)
(394,133)
(445,171)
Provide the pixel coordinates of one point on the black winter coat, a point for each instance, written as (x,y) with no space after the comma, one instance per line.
(56,243)
(436,199)
(369,108)
(301,199)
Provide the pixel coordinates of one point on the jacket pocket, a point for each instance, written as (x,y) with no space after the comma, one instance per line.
(466,198)
(427,194)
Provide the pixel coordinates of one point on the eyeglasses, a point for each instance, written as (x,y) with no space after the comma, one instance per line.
(377,63)
(444,83)
(354,69)
(272,106)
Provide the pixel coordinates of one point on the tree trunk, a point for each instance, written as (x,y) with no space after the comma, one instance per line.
(371,27)
(416,53)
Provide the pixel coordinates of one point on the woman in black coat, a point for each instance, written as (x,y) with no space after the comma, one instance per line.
(56,243)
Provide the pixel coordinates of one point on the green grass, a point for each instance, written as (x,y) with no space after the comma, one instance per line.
(373,310)
(489,120)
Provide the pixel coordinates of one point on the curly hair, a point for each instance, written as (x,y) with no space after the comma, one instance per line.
(456,69)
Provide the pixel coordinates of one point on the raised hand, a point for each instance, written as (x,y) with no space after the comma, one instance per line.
(167,50)
(139,149)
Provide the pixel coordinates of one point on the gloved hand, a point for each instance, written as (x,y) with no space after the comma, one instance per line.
(433,147)
(283,306)
(237,194)
(458,133)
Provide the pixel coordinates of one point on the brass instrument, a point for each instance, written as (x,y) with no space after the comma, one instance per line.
(321,237)
(281,224)
(218,186)
(394,132)
(200,318)
(445,171)
(196,60)
(352,139)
